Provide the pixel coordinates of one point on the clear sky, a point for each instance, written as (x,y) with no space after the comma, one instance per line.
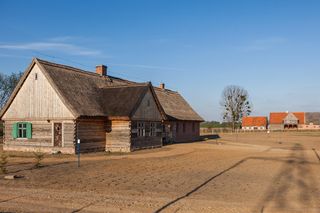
(271,48)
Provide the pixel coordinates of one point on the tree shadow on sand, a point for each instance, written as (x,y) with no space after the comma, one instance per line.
(295,171)
(296,174)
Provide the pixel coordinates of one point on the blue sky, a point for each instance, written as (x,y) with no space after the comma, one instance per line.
(271,48)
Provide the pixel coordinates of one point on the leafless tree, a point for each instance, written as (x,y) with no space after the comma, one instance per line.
(235,104)
(7,85)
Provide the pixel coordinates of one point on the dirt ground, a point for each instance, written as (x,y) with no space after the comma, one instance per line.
(247,172)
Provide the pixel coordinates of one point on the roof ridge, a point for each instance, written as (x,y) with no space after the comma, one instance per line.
(165,90)
(126,85)
(81,71)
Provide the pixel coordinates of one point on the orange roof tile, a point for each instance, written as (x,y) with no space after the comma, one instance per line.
(277,117)
(254,121)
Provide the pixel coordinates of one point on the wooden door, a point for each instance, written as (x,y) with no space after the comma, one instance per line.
(57,139)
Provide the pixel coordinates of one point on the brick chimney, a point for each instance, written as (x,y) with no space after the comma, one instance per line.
(162,86)
(101,70)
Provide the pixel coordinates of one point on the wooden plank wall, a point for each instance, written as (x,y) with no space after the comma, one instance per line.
(189,134)
(41,136)
(69,134)
(118,136)
(92,134)
(1,132)
(147,109)
(37,99)
(146,141)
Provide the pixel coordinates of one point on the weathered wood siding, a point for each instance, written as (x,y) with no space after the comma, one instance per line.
(42,136)
(147,141)
(92,135)
(118,136)
(37,99)
(147,110)
(177,134)
(1,131)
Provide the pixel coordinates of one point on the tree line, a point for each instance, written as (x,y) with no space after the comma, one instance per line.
(7,85)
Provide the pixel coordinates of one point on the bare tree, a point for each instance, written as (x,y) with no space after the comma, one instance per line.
(7,85)
(235,104)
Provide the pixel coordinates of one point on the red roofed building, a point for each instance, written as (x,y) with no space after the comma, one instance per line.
(286,120)
(254,123)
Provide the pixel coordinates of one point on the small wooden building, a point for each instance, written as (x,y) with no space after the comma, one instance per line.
(53,105)
(182,123)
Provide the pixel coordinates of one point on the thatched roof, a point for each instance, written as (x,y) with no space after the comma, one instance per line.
(90,94)
(175,106)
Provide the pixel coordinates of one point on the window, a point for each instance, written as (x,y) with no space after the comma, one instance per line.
(184,127)
(22,130)
(141,129)
(152,129)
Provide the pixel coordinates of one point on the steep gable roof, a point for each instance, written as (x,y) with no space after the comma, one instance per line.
(89,94)
(278,117)
(254,121)
(175,106)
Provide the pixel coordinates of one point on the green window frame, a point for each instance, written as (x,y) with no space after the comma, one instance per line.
(22,130)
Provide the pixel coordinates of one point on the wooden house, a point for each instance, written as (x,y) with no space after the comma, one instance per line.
(53,105)
(182,123)
(254,123)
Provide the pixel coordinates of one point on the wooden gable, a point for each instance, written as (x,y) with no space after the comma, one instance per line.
(147,109)
(36,99)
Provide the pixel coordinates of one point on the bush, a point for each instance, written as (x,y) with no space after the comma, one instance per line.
(3,163)
(39,156)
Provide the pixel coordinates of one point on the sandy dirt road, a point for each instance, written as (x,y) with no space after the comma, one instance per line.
(236,173)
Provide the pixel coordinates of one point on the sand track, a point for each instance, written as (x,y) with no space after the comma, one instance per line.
(254,173)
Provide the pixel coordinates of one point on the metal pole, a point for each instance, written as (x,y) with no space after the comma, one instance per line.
(78,150)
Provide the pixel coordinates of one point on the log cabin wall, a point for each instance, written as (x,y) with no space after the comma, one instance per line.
(148,115)
(118,138)
(92,135)
(41,137)
(185,131)
(149,138)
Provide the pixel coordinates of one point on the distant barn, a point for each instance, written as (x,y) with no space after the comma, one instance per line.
(254,123)
(286,120)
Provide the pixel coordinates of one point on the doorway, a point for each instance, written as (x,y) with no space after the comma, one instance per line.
(57,134)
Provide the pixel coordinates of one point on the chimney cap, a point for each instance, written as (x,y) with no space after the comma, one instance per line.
(162,86)
(101,70)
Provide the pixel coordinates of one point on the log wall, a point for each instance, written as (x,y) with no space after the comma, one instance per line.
(118,136)
(147,141)
(42,136)
(179,135)
(92,135)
